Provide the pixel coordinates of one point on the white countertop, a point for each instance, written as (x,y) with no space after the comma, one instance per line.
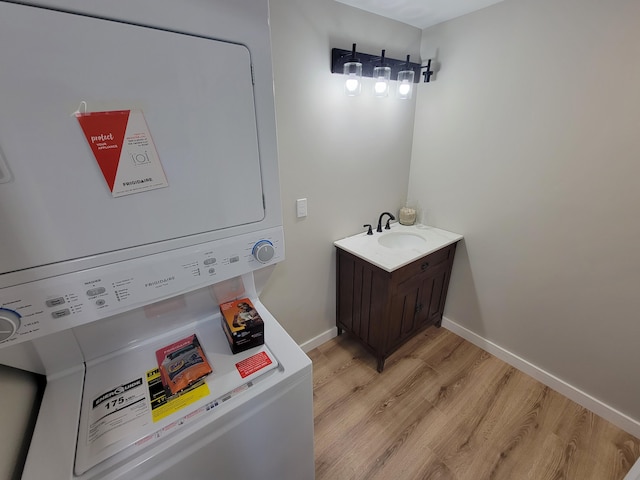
(369,248)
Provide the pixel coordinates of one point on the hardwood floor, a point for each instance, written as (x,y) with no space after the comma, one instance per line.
(445,409)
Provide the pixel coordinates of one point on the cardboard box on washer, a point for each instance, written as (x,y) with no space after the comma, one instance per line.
(242,325)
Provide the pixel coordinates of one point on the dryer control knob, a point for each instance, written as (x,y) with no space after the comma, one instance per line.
(9,323)
(263,251)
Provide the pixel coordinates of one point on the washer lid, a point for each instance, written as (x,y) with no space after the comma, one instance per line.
(120,404)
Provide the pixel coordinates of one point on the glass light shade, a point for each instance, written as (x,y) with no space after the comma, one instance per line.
(405,84)
(381,77)
(353,82)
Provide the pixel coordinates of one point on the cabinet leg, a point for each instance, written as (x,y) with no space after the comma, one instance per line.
(380,364)
(438,324)
(339,330)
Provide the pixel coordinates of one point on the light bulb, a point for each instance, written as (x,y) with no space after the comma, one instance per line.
(351,84)
(405,84)
(382,75)
(380,87)
(404,88)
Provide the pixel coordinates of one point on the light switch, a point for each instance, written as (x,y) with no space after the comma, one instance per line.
(301,207)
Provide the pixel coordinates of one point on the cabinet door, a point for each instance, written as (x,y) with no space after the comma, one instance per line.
(405,317)
(361,299)
(418,301)
(435,294)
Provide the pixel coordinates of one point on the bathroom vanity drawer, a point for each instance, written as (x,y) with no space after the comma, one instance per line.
(424,264)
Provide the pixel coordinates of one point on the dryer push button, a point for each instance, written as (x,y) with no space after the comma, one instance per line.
(96,291)
(61,313)
(54,302)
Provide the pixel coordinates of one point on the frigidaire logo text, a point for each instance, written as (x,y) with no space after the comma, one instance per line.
(155,283)
(136,182)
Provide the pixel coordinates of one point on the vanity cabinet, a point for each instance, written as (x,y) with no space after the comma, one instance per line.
(385,309)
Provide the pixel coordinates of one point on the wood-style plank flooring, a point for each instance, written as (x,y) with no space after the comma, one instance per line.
(445,409)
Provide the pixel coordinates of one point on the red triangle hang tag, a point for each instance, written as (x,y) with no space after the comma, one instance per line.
(105,133)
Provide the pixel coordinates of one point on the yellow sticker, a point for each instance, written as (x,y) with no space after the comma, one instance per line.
(163,405)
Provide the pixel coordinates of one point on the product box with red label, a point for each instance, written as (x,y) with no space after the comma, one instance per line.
(242,325)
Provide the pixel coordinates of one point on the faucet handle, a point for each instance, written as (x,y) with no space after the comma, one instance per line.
(387,226)
(370,231)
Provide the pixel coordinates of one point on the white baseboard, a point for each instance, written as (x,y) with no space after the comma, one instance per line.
(610,414)
(634,473)
(319,340)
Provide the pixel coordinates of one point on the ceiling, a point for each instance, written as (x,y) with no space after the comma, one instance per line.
(420,13)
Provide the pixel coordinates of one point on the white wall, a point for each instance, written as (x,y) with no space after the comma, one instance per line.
(349,157)
(528,144)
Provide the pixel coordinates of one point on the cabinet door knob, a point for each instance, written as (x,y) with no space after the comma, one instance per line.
(418,307)
(424,266)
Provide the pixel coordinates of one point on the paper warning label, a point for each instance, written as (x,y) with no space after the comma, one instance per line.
(253,364)
(122,145)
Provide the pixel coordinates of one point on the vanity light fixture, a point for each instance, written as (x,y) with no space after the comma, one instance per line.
(427,72)
(405,81)
(353,70)
(356,65)
(381,78)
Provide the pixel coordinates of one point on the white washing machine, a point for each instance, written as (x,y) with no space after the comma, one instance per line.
(139,191)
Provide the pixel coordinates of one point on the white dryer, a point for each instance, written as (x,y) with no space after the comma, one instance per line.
(138,191)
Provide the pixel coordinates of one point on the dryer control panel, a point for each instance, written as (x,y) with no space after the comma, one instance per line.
(54,304)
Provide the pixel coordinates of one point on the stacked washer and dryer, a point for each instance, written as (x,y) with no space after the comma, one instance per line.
(102,266)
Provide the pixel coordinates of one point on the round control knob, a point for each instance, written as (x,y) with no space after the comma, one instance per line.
(263,251)
(9,323)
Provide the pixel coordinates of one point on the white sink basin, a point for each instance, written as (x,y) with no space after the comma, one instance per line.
(401,240)
(399,246)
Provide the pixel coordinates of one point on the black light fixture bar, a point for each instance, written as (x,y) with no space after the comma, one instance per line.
(339,57)
(427,72)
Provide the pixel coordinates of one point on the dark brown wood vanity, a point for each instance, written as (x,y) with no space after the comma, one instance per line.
(384,309)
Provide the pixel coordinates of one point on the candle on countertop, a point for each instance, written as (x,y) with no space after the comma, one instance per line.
(407,216)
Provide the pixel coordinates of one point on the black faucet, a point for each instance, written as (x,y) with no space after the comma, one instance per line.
(387,227)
